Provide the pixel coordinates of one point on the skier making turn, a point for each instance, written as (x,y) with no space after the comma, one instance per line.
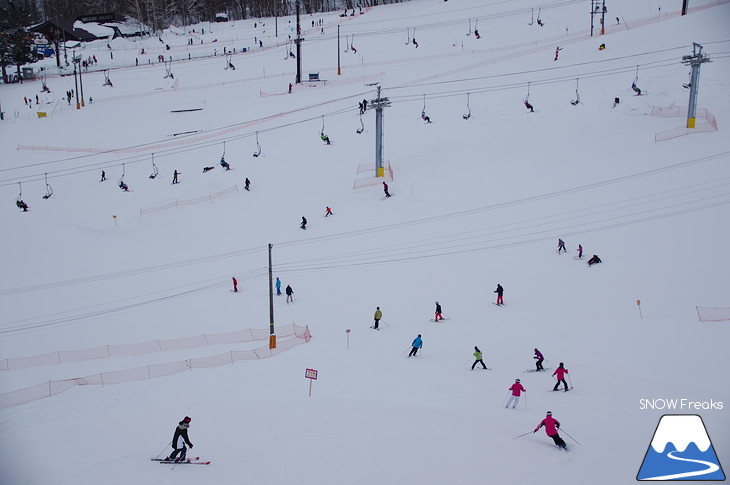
(552,426)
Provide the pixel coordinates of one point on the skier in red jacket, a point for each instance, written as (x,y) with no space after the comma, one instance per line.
(516,389)
(560,372)
(551,429)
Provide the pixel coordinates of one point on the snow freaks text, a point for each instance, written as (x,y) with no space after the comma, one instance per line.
(679,404)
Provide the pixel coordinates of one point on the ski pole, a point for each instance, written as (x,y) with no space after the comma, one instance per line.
(570,382)
(525,399)
(385,323)
(506,396)
(524,434)
(163,449)
(566,434)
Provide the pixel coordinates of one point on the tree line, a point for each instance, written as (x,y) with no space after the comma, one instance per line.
(159,14)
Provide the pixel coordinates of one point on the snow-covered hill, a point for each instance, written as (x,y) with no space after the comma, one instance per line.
(477,202)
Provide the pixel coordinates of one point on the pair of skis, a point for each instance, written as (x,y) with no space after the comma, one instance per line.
(188,461)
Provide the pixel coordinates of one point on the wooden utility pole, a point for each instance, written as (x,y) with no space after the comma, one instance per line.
(272,334)
(298,41)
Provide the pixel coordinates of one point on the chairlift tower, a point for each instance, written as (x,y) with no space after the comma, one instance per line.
(598,7)
(695,61)
(378,104)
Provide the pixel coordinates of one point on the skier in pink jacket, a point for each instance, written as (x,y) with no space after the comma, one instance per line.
(560,372)
(516,389)
(551,429)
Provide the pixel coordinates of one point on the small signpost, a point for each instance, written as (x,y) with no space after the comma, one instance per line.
(310,374)
(638,303)
(348,337)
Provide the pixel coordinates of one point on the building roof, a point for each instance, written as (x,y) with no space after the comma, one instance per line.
(66,28)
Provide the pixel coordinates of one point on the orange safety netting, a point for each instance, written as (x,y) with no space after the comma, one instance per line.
(298,335)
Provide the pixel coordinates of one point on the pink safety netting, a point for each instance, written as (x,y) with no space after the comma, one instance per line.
(710,123)
(62,356)
(197,200)
(296,336)
(372,179)
(711,314)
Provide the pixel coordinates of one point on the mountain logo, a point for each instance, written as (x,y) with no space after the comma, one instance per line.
(680,450)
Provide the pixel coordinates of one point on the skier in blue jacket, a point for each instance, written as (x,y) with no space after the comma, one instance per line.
(417,344)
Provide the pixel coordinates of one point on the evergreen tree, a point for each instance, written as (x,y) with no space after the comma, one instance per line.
(15,40)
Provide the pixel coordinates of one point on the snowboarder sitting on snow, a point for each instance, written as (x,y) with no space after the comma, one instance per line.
(224,164)
(123,186)
(324,138)
(417,344)
(207,169)
(552,426)
(594,260)
(21,205)
(180,432)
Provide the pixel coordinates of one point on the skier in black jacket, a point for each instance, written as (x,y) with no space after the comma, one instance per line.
(180,432)
(499,291)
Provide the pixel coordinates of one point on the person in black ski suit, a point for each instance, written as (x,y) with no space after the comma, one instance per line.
(561,245)
(289,294)
(180,432)
(303,225)
(594,260)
